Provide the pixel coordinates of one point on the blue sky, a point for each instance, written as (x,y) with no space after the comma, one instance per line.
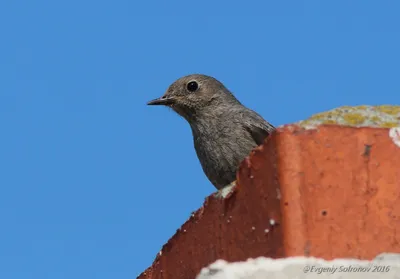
(92,181)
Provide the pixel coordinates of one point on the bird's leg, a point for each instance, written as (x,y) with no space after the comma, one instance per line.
(225,191)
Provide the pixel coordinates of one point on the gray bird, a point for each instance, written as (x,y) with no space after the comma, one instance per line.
(224,131)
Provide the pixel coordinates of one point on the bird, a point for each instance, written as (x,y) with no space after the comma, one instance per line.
(224,131)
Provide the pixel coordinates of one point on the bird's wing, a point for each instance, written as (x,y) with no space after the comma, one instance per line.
(258,128)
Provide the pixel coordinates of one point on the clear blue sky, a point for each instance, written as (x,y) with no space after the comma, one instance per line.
(92,181)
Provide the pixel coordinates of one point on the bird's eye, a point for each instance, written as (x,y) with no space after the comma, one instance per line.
(192,86)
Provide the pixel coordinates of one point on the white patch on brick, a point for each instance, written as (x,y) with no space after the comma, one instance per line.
(383,266)
(394,133)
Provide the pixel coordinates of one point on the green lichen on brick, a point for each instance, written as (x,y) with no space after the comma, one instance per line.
(384,116)
(390,124)
(375,119)
(392,110)
(318,116)
(354,118)
(330,122)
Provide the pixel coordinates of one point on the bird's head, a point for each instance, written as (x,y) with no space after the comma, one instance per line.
(192,94)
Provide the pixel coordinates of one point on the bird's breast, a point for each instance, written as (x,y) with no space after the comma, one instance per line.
(220,151)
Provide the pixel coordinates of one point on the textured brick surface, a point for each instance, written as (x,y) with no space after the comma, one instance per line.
(328,192)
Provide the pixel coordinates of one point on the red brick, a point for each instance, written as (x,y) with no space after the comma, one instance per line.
(327,192)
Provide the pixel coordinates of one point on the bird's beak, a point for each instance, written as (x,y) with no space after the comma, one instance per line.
(165,101)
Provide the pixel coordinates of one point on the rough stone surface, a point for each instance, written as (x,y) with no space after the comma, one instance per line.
(327,192)
(384,266)
(384,116)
